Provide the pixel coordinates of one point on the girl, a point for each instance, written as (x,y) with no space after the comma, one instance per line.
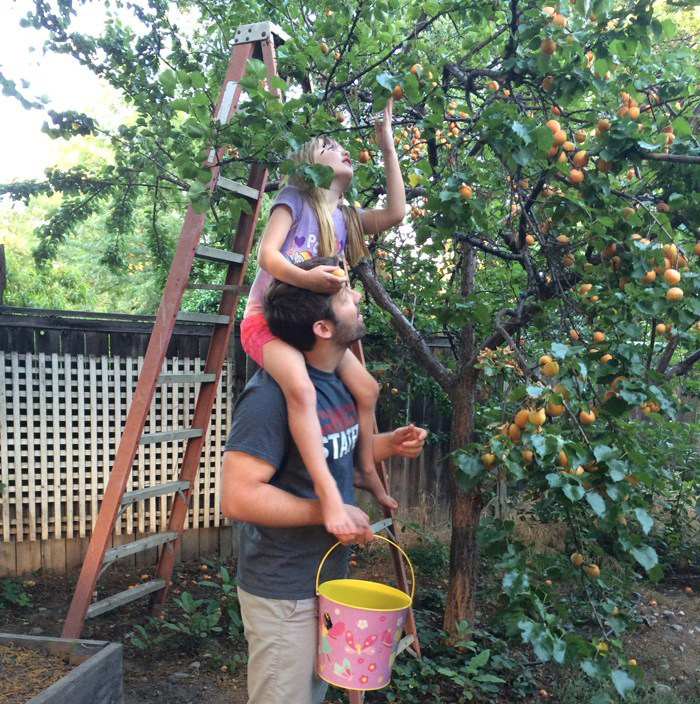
(307,222)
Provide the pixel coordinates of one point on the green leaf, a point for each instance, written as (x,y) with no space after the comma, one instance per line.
(591,668)
(522,132)
(603,453)
(646,556)
(479,660)
(669,28)
(645,520)
(681,127)
(168,81)
(624,684)
(278,83)
(615,406)
(180,104)
(559,351)
(596,502)
(386,80)
(618,470)
(515,582)
(573,492)
(600,698)
(471,469)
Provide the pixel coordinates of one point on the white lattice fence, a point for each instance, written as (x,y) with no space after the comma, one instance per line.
(60,421)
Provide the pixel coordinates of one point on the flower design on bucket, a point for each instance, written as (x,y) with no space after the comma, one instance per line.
(362,624)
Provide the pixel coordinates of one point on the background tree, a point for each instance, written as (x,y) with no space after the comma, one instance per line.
(552,160)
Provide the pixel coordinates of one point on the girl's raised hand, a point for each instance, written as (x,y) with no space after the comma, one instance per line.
(321,279)
(384,136)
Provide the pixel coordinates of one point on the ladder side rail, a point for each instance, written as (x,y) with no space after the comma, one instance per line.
(397,558)
(216,355)
(145,388)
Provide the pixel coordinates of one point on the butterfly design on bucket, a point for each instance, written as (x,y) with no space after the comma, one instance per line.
(353,647)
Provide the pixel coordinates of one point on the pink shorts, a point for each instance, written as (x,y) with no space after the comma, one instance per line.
(255,334)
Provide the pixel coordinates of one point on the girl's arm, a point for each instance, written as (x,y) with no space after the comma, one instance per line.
(380,219)
(271,259)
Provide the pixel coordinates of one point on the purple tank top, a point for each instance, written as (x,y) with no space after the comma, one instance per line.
(300,244)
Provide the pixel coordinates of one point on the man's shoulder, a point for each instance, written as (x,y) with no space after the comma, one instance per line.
(262,384)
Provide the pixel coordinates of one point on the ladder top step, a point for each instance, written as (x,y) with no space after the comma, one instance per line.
(150,541)
(149,492)
(170,435)
(239,188)
(121,598)
(185,377)
(257,32)
(204,318)
(219,255)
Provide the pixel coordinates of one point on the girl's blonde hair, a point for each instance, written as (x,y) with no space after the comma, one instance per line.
(355,247)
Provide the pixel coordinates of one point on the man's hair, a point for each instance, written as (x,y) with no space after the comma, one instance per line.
(291,311)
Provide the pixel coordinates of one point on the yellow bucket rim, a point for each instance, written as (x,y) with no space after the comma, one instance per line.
(386,540)
(375,585)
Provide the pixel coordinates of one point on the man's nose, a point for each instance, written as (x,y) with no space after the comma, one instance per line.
(356,296)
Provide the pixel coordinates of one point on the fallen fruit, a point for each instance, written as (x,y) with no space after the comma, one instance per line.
(576,559)
(592,570)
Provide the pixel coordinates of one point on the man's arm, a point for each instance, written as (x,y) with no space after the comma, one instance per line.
(405,442)
(246,495)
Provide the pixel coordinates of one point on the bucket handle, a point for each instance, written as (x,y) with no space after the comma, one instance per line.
(381,537)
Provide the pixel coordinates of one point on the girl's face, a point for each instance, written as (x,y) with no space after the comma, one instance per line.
(332,154)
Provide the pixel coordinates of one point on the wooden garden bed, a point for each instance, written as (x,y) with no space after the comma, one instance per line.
(39,670)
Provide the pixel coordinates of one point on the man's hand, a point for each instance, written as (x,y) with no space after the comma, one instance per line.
(363,532)
(408,441)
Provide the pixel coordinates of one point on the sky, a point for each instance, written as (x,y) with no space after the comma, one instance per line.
(25,149)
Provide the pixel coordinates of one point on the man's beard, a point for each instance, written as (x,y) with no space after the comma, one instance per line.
(347,333)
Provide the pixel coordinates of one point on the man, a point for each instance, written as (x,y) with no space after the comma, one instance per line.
(266,486)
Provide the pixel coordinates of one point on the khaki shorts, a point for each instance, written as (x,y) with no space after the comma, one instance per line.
(282,640)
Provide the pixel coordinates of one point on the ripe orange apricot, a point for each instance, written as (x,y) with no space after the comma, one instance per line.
(548,47)
(575,176)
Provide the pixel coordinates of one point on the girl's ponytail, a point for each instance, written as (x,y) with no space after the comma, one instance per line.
(355,247)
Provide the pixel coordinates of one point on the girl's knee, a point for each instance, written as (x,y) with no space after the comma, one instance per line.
(367,392)
(300,392)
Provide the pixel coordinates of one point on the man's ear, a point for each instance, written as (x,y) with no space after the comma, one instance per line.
(324,329)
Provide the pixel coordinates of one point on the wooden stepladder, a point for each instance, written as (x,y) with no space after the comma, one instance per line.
(250,41)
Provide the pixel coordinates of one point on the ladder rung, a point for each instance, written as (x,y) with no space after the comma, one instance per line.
(206,318)
(150,541)
(239,188)
(149,492)
(238,290)
(117,600)
(185,378)
(170,435)
(219,255)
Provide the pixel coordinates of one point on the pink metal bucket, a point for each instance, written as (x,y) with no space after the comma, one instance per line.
(359,629)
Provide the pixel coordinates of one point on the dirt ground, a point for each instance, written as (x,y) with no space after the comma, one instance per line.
(666,644)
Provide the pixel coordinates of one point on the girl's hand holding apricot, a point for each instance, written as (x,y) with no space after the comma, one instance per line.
(323,279)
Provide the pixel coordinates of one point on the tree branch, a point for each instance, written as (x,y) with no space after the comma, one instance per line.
(440,373)
(684,366)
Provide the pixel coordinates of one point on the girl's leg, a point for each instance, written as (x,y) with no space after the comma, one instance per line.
(364,390)
(287,367)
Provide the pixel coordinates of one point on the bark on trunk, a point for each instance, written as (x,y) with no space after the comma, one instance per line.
(466,505)
(466,511)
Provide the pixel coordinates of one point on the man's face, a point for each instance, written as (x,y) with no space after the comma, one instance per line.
(350,326)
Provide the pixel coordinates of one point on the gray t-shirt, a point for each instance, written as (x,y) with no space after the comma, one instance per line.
(301,242)
(281,563)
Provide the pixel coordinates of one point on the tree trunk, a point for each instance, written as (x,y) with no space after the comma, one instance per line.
(466,511)
(465,505)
